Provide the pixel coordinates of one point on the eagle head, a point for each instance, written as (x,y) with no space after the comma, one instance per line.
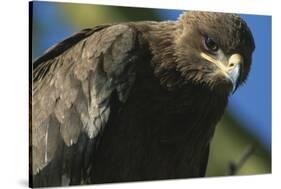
(213,49)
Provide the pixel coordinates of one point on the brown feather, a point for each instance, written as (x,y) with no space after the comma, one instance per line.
(132,101)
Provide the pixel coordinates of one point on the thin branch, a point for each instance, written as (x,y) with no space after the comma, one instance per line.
(234,166)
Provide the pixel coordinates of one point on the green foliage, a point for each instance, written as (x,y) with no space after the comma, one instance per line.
(83,15)
(229,143)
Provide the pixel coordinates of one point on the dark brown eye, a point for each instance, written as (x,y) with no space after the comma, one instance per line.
(210,44)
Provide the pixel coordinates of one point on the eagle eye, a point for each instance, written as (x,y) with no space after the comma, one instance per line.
(210,44)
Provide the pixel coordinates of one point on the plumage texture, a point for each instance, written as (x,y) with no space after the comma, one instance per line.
(131,101)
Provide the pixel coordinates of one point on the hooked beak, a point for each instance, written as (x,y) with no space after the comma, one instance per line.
(231,68)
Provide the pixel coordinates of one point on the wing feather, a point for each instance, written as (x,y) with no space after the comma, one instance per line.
(72,86)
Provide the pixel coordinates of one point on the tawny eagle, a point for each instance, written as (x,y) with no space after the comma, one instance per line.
(135,101)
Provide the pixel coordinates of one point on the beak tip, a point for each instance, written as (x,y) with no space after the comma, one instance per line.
(233,76)
(234,88)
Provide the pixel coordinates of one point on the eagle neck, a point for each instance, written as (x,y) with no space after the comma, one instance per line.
(161,38)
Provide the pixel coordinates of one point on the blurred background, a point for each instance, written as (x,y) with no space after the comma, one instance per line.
(247,121)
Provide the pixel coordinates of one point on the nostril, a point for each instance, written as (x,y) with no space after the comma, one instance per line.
(234,60)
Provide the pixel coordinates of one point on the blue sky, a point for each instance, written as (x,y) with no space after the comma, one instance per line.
(251,104)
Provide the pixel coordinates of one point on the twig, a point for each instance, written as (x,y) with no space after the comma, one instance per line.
(234,166)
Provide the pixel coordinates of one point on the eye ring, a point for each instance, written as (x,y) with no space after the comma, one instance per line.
(210,44)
